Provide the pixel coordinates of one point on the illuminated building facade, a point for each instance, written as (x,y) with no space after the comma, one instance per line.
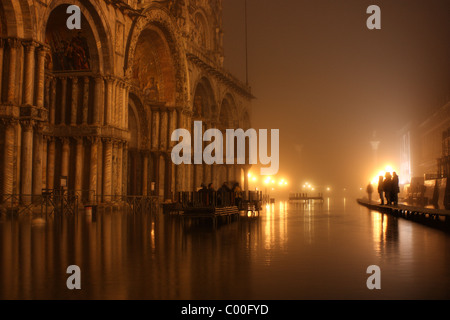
(98,105)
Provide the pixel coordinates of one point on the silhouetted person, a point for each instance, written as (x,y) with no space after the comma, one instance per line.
(369,191)
(237,194)
(203,194)
(395,190)
(223,194)
(387,188)
(211,192)
(380,189)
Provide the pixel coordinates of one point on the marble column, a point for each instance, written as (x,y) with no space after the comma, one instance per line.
(125,116)
(125,172)
(2,45)
(114,186)
(27,160)
(37,159)
(119,168)
(52,106)
(79,168)
(155,129)
(44,161)
(164,129)
(41,53)
(108,103)
(85,110)
(114,103)
(74,104)
(107,170)
(93,170)
(65,158)
(145,155)
(51,149)
(28,88)
(8,157)
(12,46)
(98,104)
(63,99)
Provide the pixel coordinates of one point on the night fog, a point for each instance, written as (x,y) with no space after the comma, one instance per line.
(328,83)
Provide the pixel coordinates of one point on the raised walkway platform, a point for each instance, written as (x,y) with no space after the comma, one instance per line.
(436,218)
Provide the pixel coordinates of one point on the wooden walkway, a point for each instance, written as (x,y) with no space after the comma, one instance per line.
(304,197)
(437,218)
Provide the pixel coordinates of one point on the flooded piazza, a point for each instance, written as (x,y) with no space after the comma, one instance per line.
(292,251)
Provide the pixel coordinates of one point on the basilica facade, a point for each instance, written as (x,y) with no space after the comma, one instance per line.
(94,108)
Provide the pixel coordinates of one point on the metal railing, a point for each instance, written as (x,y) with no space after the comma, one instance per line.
(49,202)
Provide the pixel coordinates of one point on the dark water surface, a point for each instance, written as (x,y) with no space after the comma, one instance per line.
(292,251)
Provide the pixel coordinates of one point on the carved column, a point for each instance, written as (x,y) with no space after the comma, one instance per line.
(74,104)
(119,168)
(65,158)
(8,156)
(93,170)
(41,53)
(108,104)
(44,161)
(127,95)
(2,45)
(164,114)
(155,129)
(85,109)
(37,159)
(11,93)
(27,160)
(114,186)
(125,172)
(63,99)
(52,107)
(51,163)
(107,170)
(79,167)
(98,104)
(114,103)
(29,73)
(145,173)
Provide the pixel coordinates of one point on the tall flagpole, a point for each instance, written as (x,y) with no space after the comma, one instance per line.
(246,45)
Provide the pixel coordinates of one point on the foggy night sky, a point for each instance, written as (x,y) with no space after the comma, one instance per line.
(327,82)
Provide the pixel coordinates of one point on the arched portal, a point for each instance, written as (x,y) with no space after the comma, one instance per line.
(203,109)
(77,96)
(153,68)
(227,113)
(153,80)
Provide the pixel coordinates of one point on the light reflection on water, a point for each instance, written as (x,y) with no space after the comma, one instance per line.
(292,251)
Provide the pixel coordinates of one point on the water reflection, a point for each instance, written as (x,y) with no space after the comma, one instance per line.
(292,251)
(385,232)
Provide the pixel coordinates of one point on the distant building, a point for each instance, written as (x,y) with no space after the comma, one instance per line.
(425,159)
(424,147)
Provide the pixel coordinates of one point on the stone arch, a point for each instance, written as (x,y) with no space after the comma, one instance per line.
(94,29)
(227,117)
(16,19)
(157,18)
(204,102)
(153,72)
(202,31)
(138,148)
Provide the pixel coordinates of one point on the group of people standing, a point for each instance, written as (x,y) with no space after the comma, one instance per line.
(388,189)
(224,195)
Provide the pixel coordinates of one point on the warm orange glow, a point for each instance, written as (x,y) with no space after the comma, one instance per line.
(387,168)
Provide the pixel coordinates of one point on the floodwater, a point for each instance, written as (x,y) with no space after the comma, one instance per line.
(291,252)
